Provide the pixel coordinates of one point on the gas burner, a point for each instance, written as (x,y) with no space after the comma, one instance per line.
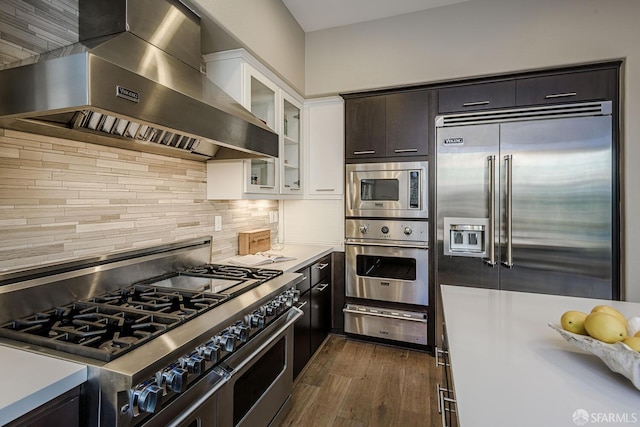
(96,331)
(178,302)
(232,271)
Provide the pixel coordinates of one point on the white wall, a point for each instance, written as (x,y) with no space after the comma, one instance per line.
(484,37)
(266,29)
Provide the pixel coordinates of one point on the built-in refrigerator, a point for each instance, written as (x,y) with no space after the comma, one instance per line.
(527,200)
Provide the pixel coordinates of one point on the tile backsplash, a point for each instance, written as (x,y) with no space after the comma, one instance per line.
(62,199)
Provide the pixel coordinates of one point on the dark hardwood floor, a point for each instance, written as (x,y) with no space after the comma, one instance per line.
(355,383)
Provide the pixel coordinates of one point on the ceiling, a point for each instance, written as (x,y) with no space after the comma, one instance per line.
(313,15)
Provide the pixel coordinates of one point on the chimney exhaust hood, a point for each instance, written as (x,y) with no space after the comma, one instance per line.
(133,81)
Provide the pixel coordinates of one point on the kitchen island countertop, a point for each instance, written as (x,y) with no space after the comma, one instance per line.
(511,369)
(30,380)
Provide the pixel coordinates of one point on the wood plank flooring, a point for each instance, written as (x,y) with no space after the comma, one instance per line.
(355,383)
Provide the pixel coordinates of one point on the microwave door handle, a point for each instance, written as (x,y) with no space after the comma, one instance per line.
(492,211)
(508,262)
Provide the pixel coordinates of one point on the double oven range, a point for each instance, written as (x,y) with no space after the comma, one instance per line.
(168,339)
(387,251)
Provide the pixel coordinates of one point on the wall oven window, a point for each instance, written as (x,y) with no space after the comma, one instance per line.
(386,267)
(380,189)
(256,380)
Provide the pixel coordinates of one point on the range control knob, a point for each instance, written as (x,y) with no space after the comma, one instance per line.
(408,230)
(363,229)
(384,229)
(228,341)
(256,320)
(176,379)
(241,331)
(149,398)
(194,364)
(210,352)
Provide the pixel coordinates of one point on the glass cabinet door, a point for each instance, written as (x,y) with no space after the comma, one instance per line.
(290,148)
(261,173)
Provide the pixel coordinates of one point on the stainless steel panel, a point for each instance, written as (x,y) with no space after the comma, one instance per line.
(562,206)
(390,232)
(553,198)
(50,94)
(463,190)
(395,325)
(388,289)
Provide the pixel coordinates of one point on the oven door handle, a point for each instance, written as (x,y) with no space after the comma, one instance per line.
(201,401)
(274,336)
(388,316)
(387,245)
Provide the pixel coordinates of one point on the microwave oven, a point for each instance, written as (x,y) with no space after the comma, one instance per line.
(387,190)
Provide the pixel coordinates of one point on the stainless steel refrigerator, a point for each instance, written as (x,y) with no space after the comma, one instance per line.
(527,200)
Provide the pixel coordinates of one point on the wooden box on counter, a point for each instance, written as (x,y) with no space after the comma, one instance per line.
(250,242)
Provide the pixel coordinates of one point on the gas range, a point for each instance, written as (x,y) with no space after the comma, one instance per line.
(150,346)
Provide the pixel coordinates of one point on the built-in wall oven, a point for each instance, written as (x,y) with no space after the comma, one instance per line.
(387,283)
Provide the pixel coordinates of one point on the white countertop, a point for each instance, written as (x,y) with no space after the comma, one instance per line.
(30,380)
(303,254)
(511,369)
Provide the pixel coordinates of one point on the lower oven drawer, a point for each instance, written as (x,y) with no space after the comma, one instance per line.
(405,326)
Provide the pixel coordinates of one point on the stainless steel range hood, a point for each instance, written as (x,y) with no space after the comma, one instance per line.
(133,81)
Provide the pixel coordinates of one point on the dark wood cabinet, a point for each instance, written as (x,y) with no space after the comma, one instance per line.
(315,301)
(64,410)
(393,125)
(532,90)
(365,127)
(474,97)
(593,85)
(407,124)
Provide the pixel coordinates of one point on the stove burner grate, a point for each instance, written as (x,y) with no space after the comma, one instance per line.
(91,330)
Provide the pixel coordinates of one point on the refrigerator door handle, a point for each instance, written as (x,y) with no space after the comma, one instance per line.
(508,262)
(492,212)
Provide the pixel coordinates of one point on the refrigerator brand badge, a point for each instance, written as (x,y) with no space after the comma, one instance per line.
(453,141)
(127,94)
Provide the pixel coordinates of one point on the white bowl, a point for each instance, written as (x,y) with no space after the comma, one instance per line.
(618,357)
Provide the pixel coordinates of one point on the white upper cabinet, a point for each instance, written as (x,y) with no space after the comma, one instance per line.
(260,91)
(324,121)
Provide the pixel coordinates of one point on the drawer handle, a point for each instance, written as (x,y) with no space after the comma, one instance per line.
(364,152)
(347,310)
(322,287)
(473,104)
(443,352)
(267,187)
(406,150)
(560,95)
(325,189)
(322,266)
(303,304)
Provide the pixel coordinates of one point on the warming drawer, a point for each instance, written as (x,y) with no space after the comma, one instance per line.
(397,325)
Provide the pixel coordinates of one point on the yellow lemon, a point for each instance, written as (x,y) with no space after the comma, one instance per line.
(633,342)
(605,327)
(610,310)
(573,321)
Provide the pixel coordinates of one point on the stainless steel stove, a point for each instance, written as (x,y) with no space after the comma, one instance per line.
(169,348)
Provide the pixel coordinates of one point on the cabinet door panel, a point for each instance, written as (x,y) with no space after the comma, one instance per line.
(365,127)
(570,87)
(407,124)
(481,96)
(302,336)
(320,313)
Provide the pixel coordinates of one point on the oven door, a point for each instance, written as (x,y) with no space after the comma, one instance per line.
(387,273)
(261,377)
